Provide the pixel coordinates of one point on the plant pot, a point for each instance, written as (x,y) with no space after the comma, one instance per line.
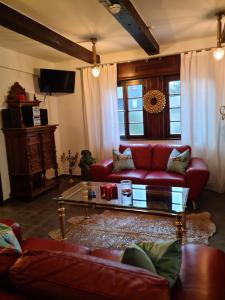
(85,174)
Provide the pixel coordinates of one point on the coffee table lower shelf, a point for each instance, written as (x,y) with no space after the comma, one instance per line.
(180,222)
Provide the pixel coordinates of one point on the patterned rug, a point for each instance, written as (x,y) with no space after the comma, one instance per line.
(119,229)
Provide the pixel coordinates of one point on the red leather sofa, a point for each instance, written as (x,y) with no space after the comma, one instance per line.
(150,162)
(50,269)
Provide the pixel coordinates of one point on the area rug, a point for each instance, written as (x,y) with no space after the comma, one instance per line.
(120,229)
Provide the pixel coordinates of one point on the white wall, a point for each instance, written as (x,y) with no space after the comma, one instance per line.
(71,122)
(70,106)
(168,49)
(65,110)
(24,69)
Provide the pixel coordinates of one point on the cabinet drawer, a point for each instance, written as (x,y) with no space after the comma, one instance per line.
(33,139)
(34,157)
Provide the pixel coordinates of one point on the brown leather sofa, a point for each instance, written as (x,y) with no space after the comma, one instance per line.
(58,270)
(150,163)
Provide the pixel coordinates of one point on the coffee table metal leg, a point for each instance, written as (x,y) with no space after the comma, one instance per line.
(61,211)
(179,226)
(184,221)
(86,213)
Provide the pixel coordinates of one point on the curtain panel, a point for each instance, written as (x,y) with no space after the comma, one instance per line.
(202,94)
(101,111)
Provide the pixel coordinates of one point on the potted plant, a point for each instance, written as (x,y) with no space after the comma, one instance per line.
(86,161)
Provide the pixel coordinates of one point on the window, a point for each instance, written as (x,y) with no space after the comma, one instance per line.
(174,107)
(130,109)
(135,79)
(134,122)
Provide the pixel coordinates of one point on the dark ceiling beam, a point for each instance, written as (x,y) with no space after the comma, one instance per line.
(24,25)
(129,18)
(223,34)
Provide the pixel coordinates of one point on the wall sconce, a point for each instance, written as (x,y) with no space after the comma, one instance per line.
(95,69)
(218,53)
(222,111)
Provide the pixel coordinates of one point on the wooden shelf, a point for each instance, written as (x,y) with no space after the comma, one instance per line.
(15,103)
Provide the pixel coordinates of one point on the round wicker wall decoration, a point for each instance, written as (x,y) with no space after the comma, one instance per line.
(154,101)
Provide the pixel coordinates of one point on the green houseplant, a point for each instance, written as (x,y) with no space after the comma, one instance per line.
(86,161)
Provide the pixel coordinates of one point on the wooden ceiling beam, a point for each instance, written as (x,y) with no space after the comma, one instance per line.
(24,25)
(129,18)
(223,34)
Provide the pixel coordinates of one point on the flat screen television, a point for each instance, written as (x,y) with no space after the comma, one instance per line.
(56,81)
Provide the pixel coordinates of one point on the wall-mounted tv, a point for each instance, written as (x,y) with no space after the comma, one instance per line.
(56,81)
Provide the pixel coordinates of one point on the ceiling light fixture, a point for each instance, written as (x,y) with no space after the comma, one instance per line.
(95,69)
(218,53)
(115,8)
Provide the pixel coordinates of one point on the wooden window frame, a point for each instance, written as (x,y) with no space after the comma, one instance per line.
(167,80)
(166,120)
(124,85)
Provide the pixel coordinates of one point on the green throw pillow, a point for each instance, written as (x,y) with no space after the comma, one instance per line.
(8,239)
(122,161)
(162,258)
(178,162)
(137,257)
(166,257)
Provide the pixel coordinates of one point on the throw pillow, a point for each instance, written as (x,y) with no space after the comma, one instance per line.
(166,258)
(8,239)
(178,162)
(122,161)
(137,257)
(10,251)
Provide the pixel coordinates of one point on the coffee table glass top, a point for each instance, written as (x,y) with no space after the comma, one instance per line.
(144,197)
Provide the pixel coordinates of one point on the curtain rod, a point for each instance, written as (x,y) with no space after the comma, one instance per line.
(148,57)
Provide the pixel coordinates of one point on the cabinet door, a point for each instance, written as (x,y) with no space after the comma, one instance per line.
(48,149)
(34,153)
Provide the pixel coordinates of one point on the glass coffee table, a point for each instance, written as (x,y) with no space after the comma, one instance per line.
(162,200)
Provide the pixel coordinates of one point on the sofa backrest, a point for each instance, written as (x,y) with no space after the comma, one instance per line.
(69,276)
(141,153)
(161,153)
(152,156)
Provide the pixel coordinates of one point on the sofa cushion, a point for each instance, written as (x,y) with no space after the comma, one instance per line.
(136,176)
(161,153)
(164,178)
(49,275)
(54,245)
(122,161)
(141,153)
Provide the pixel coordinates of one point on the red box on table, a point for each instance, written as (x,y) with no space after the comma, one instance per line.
(109,191)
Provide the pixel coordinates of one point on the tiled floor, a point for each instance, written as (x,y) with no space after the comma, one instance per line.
(39,216)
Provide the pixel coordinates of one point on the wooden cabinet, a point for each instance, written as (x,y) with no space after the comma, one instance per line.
(30,153)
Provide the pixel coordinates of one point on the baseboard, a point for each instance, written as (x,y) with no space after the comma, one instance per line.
(67,175)
(4,201)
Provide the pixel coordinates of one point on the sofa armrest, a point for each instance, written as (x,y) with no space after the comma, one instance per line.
(196,176)
(197,282)
(101,170)
(15,227)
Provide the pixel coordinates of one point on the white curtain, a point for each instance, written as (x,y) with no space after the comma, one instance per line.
(101,111)
(202,94)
